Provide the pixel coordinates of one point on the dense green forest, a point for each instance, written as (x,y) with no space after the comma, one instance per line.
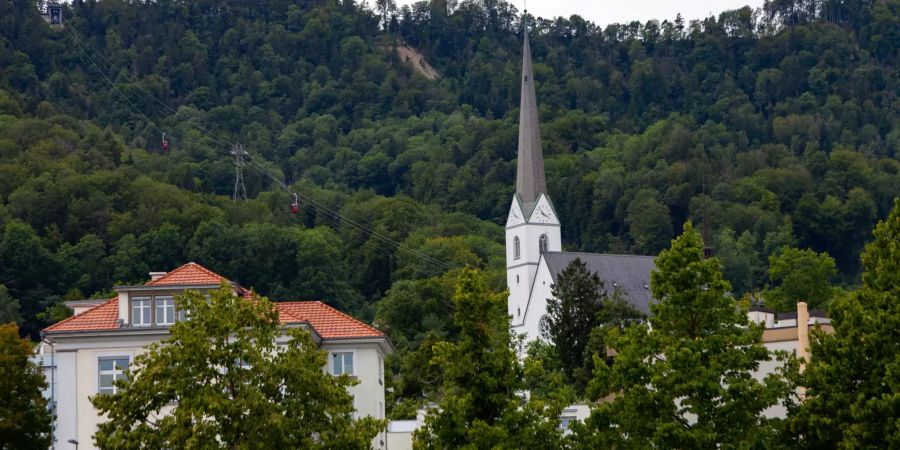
(779,125)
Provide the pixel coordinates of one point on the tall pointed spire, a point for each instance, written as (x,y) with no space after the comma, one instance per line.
(530,182)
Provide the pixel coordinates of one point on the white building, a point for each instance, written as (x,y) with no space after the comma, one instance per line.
(92,348)
(534,255)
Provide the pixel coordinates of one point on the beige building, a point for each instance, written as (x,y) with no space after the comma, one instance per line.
(95,346)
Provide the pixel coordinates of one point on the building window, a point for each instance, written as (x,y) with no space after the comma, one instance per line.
(110,370)
(543,243)
(544,326)
(516,251)
(140,311)
(165,310)
(566,421)
(380,370)
(342,363)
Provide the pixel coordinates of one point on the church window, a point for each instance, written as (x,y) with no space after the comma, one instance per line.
(516,252)
(518,312)
(543,243)
(517,278)
(544,326)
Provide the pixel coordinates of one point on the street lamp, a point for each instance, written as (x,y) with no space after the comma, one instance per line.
(74,442)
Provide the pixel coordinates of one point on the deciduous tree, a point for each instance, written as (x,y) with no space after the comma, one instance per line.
(25,418)
(802,275)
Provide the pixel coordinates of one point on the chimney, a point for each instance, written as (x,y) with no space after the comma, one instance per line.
(157,275)
(802,340)
(803,332)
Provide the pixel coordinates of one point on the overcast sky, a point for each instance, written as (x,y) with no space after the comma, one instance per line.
(604,12)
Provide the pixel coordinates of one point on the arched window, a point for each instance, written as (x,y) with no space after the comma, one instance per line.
(516,251)
(543,244)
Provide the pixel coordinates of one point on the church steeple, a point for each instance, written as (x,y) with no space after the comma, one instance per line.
(530,182)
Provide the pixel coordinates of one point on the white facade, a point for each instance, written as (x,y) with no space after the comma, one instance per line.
(77,378)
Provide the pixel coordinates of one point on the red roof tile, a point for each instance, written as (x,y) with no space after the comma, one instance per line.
(188,274)
(327,321)
(101,317)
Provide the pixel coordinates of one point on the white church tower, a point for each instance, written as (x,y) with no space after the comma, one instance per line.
(532,227)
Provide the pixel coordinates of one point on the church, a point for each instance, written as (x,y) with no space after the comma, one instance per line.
(534,255)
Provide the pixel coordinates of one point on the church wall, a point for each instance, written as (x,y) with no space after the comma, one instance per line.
(536,307)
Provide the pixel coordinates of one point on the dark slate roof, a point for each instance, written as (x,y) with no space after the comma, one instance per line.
(628,273)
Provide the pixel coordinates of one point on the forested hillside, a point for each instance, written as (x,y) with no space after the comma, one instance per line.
(780,125)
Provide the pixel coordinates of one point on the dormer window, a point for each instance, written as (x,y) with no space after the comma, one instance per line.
(516,250)
(156,310)
(165,310)
(140,312)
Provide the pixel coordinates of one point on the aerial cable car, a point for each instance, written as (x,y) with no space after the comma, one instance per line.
(165,143)
(295,207)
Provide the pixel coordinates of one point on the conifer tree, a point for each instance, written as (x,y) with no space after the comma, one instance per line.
(853,379)
(579,305)
(572,313)
(684,381)
(481,407)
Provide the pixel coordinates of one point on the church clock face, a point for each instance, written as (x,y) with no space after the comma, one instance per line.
(543,214)
(544,326)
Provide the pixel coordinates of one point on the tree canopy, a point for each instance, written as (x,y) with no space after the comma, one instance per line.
(26,421)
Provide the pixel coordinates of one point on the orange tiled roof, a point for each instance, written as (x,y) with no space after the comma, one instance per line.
(104,316)
(188,274)
(327,321)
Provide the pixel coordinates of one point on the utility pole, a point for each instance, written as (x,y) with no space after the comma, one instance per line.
(240,191)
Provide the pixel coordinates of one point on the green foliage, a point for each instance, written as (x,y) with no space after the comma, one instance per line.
(233,383)
(572,314)
(685,381)
(862,354)
(543,375)
(801,276)
(480,407)
(783,118)
(25,417)
(579,305)
(9,307)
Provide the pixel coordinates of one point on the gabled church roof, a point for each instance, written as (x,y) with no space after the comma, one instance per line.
(628,273)
(530,181)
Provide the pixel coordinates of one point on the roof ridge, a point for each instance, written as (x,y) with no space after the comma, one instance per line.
(79,316)
(183,267)
(604,254)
